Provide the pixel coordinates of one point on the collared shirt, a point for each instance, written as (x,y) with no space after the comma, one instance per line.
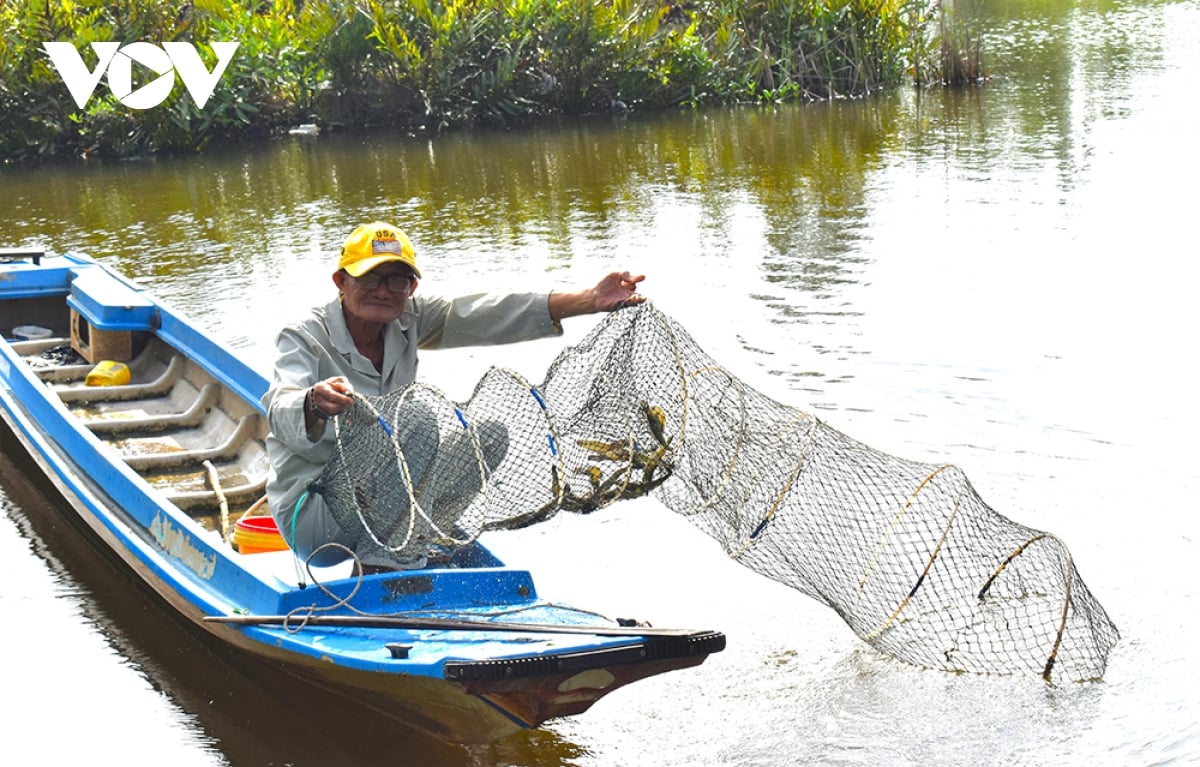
(320,347)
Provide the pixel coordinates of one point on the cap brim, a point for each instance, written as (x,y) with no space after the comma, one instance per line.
(359,268)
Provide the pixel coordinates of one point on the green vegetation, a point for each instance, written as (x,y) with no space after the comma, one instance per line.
(433,64)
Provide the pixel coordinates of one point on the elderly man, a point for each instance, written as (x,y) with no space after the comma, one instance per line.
(366,341)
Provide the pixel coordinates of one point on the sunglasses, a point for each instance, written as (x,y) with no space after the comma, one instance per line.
(397,283)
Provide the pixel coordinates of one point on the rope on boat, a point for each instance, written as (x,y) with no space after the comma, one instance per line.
(255,507)
(215,481)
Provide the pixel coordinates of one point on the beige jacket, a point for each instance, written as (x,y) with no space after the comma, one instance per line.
(320,347)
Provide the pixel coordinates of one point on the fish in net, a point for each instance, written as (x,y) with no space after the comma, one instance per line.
(907,553)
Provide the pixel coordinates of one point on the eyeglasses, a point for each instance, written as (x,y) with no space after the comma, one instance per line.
(397,283)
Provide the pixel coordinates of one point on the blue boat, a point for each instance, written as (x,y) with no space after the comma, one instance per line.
(153,433)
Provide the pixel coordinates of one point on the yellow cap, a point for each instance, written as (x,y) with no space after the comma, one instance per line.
(373,244)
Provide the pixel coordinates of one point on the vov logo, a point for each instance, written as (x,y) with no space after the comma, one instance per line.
(118,60)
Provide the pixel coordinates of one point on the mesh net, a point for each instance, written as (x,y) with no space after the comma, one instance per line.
(907,553)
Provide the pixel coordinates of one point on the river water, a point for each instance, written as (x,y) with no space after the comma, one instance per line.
(999,278)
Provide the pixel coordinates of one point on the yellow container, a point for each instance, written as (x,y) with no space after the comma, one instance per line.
(254,535)
(108,373)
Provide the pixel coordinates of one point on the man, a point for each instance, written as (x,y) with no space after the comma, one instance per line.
(366,341)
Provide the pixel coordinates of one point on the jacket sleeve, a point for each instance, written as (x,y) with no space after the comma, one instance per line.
(484,319)
(297,367)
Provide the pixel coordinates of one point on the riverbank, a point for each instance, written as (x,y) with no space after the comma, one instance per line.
(423,65)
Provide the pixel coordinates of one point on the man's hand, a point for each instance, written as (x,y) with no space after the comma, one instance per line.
(333,396)
(616,290)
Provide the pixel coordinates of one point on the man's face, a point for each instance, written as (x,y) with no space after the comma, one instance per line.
(380,295)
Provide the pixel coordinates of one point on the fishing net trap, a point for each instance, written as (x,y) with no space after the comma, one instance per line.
(907,553)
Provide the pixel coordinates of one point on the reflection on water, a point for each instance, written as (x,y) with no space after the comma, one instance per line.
(995,278)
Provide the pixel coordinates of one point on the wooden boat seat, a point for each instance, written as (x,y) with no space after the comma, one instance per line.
(157,388)
(234,495)
(246,428)
(192,416)
(110,304)
(64,373)
(30,348)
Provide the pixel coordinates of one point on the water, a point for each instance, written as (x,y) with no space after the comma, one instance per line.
(999,278)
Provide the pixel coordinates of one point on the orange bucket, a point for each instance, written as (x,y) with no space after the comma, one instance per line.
(254,535)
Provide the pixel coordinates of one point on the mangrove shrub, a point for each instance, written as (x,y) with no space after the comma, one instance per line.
(433,64)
